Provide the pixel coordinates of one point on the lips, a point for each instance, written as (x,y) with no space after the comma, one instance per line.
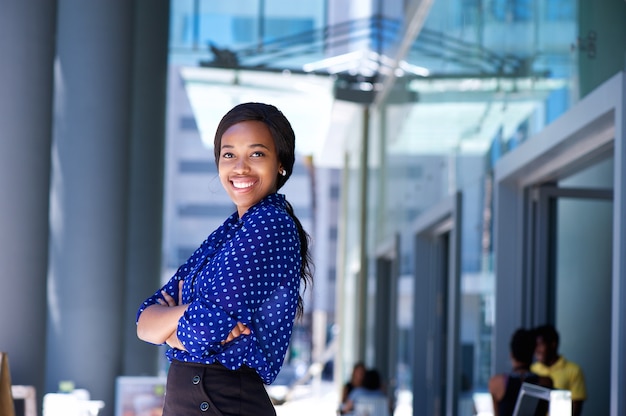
(242,183)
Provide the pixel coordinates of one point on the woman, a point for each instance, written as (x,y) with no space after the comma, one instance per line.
(371,391)
(356,381)
(228,312)
(505,387)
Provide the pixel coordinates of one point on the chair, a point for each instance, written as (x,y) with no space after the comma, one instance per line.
(76,403)
(29,395)
(7,407)
(59,404)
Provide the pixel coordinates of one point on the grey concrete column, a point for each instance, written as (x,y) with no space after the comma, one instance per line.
(89,195)
(143,270)
(27,53)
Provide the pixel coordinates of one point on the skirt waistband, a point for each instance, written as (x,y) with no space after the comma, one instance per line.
(216,366)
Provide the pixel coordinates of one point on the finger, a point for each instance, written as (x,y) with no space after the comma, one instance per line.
(238,330)
(168,298)
(243,329)
(180,292)
(234,333)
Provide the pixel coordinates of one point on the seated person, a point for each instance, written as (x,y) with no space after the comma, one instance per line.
(565,374)
(356,380)
(371,388)
(505,387)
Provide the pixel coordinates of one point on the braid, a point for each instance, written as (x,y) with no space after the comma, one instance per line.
(306,267)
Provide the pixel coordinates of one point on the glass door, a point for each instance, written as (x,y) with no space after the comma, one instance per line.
(436,352)
(384,322)
(570,285)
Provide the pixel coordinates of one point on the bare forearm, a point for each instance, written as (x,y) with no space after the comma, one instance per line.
(157,322)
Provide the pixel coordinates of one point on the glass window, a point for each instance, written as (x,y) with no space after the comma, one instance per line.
(205,210)
(512,10)
(196,24)
(197,166)
(188,123)
(559,10)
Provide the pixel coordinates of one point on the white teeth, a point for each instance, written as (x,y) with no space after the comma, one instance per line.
(242,185)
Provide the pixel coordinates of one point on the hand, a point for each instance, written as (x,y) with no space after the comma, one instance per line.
(347,407)
(237,331)
(168,300)
(174,342)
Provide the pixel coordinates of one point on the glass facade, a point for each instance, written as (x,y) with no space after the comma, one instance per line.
(421,127)
(474,151)
(199,26)
(496,74)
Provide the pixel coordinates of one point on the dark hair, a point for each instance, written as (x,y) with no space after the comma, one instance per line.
(523,346)
(548,333)
(371,379)
(285,142)
(358,364)
(276,122)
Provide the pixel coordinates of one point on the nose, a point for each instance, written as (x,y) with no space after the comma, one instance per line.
(241,165)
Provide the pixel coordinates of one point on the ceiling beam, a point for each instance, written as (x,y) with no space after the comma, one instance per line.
(414,22)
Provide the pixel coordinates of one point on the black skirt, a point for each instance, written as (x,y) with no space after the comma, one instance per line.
(199,389)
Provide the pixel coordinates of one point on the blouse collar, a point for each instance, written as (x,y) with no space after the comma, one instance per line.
(274,199)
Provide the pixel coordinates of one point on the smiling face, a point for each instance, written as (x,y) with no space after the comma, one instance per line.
(248,164)
(546,351)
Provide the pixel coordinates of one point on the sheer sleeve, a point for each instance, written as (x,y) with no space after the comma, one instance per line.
(171,287)
(273,306)
(254,280)
(272,325)
(247,271)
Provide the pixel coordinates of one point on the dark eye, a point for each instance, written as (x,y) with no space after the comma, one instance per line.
(227,155)
(258,154)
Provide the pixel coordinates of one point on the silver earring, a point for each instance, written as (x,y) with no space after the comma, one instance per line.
(283,172)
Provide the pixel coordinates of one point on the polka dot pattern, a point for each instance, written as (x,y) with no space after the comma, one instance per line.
(247,270)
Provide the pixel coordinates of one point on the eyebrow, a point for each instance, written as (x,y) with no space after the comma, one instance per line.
(252,146)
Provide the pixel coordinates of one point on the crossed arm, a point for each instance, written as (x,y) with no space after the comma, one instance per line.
(158,323)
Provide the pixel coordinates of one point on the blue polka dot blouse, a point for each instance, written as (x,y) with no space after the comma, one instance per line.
(247,270)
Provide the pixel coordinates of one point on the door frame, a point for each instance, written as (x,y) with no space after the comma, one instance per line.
(385,321)
(539,286)
(592,129)
(437,233)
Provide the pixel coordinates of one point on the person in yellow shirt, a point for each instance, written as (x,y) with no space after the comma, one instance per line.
(565,374)
(505,387)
